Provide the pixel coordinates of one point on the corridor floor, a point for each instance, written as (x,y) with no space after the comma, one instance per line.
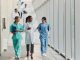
(51,55)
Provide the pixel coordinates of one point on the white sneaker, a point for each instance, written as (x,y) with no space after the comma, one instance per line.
(44,54)
(26,58)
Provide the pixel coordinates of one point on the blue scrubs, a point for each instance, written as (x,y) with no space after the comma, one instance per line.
(43,30)
(17,38)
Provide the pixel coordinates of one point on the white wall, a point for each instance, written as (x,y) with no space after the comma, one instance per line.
(0,27)
(37,3)
(61,21)
(3,31)
(77,30)
(60,16)
(6,8)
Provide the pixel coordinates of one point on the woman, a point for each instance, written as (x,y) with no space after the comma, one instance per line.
(43,30)
(29,36)
(16,28)
(15,13)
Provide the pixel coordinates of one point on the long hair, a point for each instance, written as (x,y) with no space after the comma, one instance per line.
(26,19)
(29,17)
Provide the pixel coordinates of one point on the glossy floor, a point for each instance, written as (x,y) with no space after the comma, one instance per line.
(51,55)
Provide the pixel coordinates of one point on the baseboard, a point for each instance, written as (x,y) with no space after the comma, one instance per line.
(62,55)
(56,51)
(59,53)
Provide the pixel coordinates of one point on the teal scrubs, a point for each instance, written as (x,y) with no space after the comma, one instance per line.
(43,30)
(17,37)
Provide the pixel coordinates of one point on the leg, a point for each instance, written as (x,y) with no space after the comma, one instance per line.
(21,14)
(32,50)
(18,48)
(15,48)
(46,44)
(42,46)
(27,47)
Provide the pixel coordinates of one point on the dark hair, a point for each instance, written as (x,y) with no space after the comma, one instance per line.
(26,19)
(44,18)
(15,9)
(29,17)
(16,17)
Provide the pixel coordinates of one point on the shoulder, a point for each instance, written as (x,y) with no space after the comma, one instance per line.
(12,24)
(47,24)
(40,24)
(20,24)
(25,24)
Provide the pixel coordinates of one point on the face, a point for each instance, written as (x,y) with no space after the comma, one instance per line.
(43,21)
(17,20)
(30,20)
(16,10)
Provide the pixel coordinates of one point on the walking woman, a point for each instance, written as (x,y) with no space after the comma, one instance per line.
(29,36)
(43,30)
(16,28)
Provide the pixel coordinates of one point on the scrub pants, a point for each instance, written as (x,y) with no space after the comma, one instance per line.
(44,45)
(17,47)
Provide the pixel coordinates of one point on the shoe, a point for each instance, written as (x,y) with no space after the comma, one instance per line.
(31,57)
(44,54)
(16,58)
(25,58)
(27,54)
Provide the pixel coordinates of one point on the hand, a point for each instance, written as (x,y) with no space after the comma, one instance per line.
(14,33)
(17,30)
(29,28)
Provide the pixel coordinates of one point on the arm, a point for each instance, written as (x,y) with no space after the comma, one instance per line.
(11,29)
(22,28)
(39,27)
(48,28)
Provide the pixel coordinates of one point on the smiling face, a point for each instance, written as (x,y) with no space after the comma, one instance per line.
(43,21)
(17,19)
(30,19)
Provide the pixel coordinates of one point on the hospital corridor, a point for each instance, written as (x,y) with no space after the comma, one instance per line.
(50,29)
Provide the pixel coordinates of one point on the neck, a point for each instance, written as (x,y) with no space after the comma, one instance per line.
(43,22)
(16,22)
(29,22)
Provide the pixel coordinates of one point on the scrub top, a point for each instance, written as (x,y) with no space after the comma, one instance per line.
(18,34)
(43,30)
